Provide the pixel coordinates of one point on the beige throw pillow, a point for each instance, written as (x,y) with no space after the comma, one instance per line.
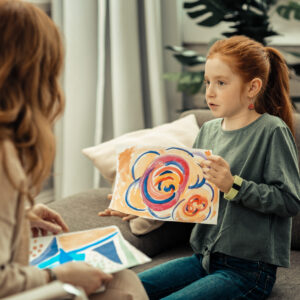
(181,132)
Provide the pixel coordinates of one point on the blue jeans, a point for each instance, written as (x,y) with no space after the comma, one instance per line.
(229,278)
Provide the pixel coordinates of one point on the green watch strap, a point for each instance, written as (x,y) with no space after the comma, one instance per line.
(237,183)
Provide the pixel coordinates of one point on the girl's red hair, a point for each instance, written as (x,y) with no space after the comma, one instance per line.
(250,59)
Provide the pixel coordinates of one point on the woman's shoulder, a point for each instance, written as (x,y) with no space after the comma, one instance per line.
(10,164)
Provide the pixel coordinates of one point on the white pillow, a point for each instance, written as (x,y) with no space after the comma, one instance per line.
(181,132)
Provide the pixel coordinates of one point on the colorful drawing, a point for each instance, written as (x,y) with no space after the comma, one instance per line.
(101,247)
(165,184)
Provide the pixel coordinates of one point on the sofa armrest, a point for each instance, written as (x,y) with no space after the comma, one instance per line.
(202,115)
(53,291)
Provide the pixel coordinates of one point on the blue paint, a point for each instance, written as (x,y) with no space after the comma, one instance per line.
(47,263)
(169,188)
(166,172)
(109,250)
(127,196)
(157,216)
(64,257)
(148,152)
(93,244)
(176,164)
(51,250)
(197,184)
(176,148)
(150,199)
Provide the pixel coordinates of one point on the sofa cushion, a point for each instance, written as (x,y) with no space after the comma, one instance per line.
(287,285)
(295,245)
(80,212)
(181,132)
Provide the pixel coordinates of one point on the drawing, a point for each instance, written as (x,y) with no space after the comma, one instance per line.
(101,247)
(165,184)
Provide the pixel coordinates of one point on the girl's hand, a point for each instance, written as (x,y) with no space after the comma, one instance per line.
(111,212)
(83,275)
(217,171)
(43,219)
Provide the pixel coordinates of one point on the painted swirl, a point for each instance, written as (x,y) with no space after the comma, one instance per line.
(164,181)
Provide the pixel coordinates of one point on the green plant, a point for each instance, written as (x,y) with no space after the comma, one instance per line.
(249,17)
(189,82)
(286,11)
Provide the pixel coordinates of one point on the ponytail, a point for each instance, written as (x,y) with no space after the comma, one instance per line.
(275,98)
(250,59)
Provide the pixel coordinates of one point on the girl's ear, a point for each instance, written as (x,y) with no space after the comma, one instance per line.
(254,87)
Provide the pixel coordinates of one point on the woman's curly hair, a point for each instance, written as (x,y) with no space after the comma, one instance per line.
(31,58)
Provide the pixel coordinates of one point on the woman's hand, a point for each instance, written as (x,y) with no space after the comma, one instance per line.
(83,275)
(43,219)
(111,212)
(217,171)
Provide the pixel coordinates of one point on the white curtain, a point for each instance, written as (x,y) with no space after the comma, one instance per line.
(131,89)
(115,60)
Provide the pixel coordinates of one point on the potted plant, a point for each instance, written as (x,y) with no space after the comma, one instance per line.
(248,17)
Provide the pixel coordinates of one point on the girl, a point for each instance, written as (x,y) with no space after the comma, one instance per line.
(31,57)
(255,166)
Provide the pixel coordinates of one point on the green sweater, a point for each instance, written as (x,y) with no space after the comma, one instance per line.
(256,224)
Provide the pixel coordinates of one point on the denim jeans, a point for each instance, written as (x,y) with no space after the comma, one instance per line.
(229,278)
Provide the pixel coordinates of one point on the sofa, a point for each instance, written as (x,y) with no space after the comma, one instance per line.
(171,240)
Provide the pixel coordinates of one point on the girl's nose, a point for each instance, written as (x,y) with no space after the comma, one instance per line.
(210,91)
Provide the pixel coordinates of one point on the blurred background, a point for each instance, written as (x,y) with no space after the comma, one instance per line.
(133,64)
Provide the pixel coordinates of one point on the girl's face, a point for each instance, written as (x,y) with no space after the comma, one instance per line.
(225,90)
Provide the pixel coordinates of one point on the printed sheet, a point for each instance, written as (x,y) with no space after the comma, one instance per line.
(103,247)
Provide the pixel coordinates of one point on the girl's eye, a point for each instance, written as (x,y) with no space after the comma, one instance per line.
(207,82)
(221,82)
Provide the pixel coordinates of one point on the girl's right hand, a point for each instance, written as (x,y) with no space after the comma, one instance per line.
(83,275)
(111,212)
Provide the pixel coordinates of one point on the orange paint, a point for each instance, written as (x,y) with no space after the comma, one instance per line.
(207,153)
(75,240)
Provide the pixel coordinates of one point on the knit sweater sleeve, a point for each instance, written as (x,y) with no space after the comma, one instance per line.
(279,192)
(15,275)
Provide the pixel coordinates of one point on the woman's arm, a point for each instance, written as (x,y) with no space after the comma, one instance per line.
(15,276)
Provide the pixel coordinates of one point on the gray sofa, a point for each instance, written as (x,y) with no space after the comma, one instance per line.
(171,239)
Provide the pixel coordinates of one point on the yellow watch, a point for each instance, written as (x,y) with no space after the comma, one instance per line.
(237,183)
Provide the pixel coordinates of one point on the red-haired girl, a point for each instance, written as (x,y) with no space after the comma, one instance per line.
(255,166)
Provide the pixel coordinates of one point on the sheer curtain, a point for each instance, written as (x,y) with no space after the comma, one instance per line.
(113,83)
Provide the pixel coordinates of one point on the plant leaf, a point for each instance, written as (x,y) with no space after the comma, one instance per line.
(190,82)
(186,57)
(285,11)
(171,76)
(216,8)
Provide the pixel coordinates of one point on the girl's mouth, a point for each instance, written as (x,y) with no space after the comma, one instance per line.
(212,105)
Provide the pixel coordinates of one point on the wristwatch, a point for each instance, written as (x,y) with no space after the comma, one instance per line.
(52,275)
(236,186)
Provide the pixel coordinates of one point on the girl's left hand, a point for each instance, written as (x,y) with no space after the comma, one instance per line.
(110,212)
(217,171)
(43,219)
